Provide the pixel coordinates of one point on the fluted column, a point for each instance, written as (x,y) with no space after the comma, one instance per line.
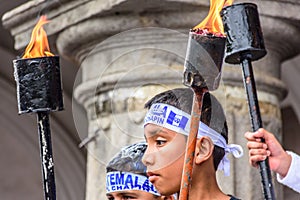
(123,63)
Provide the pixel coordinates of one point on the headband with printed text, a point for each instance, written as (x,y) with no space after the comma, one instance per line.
(179,121)
(123,181)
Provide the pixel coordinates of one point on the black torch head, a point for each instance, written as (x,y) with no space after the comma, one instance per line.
(243,31)
(38,84)
(203,62)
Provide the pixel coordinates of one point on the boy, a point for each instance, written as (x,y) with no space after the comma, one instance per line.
(166,127)
(126,176)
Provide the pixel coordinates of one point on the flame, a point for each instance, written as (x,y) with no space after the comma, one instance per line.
(38,45)
(213,22)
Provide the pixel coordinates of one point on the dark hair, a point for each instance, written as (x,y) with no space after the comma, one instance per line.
(212,113)
(129,159)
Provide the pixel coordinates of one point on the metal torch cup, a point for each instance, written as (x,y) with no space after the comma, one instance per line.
(39,90)
(202,72)
(245,44)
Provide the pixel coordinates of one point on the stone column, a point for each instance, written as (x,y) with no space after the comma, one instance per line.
(117,89)
(123,63)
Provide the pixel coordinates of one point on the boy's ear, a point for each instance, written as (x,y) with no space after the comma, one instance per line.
(204,149)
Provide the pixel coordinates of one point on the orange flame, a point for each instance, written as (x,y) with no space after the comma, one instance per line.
(38,45)
(213,23)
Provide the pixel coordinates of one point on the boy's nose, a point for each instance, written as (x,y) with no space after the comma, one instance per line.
(148,158)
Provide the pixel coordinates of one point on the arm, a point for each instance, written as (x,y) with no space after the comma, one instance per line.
(292,178)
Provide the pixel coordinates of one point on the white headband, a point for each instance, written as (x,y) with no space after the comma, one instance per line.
(179,121)
(121,181)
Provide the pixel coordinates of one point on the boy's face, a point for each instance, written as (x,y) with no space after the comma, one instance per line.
(131,194)
(164,158)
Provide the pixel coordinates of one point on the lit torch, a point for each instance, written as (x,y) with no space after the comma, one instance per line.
(202,73)
(245,44)
(39,90)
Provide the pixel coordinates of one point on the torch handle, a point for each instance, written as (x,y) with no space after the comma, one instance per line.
(191,144)
(249,83)
(47,163)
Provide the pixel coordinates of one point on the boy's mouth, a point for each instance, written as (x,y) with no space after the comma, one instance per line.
(152,176)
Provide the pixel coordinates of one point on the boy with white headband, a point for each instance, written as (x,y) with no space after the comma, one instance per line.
(126,176)
(166,127)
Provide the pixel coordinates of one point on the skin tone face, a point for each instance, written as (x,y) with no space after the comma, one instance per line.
(131,194)
(164,158)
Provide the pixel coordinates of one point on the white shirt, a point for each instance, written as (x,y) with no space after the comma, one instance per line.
(292,179)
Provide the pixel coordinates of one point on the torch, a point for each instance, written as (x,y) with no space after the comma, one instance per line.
(202,73)
(39,90)
(245,44)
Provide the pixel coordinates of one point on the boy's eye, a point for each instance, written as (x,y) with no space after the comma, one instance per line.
(128,197)
(160,141)
(110,198)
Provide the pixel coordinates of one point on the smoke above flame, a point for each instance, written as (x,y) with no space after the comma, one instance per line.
(212,24)
(38,45)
